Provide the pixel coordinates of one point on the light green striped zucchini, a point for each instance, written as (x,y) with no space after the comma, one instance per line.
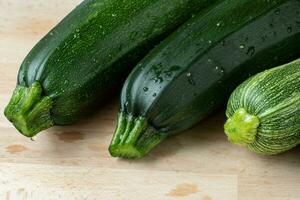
(264,112)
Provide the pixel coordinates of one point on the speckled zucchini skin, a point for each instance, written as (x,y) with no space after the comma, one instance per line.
(273,98)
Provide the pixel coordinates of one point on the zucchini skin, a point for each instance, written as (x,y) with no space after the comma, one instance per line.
(193,72)
(89,53)
(273,98)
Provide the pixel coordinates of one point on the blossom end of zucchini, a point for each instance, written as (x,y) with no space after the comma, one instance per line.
(241,128)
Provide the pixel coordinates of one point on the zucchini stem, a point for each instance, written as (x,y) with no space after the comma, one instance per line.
(28,110)
(134,137)
(241,128)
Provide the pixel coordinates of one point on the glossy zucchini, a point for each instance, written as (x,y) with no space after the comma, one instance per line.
(87,56)
(193,72)
(264,112)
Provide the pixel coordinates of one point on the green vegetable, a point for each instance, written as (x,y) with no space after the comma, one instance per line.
(86,57)
(264,112)
(193,72)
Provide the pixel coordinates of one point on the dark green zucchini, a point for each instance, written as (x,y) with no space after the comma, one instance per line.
(87,56)
(264,112)
(193,72)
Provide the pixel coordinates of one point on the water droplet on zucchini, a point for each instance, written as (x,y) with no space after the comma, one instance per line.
(190,78)
(76,36)
(251,51)
(126,103)
(219,69)
(145,89)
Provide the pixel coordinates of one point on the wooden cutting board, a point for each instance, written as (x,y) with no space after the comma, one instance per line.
(73,162)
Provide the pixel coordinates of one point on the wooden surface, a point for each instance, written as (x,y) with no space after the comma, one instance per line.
(73,162)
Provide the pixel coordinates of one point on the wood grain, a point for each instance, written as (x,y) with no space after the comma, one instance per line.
(73,163)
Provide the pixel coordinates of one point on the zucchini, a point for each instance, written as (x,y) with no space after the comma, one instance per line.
(193,72)
(264,112)
(86,57)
